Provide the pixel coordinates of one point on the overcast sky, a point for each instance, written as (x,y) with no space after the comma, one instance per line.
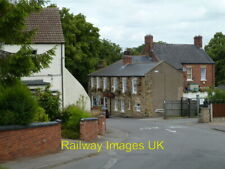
(126,22)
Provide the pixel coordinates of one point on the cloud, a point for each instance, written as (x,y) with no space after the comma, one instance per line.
(175,21)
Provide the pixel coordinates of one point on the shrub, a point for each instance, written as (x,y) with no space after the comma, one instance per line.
(216,95)
(17,105)
(49,102)
(71,117)
(41,116)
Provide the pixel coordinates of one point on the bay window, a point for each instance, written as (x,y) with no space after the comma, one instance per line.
(122,104)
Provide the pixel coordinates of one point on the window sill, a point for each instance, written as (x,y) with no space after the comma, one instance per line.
(189,80)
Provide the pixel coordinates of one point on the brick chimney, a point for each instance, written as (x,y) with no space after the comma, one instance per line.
(148,44)
(198,41)
(127,59)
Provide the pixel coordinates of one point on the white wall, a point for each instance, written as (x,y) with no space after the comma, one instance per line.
(74,92)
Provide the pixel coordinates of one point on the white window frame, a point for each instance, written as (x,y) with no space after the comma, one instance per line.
(122,105)
(138,107)
(134,85)
(92,82)
(124,84)
(189,73)
(105,83)
(115,84)
(98,82)
(115,104)
(203,77)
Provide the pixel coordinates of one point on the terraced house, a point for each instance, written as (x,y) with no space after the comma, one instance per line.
(135,86)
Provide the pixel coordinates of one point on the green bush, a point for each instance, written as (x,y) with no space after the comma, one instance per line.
(71,117)
(216,95)
(49,102)
(41,116)
(17,105)
(2,167)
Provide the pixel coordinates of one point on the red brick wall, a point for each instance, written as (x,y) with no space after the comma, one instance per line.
(101,125)
(196,75)
(88,130)
(29,142)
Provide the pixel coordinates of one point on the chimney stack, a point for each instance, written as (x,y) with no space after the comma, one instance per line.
(148,43)
(127,59)
(198,41)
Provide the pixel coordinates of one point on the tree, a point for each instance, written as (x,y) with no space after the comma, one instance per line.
(13,31)
(138,50)
(216,50)
(83,48)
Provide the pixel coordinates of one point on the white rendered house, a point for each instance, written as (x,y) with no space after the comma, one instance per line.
(48,35)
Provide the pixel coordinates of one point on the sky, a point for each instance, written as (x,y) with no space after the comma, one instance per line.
(126,22)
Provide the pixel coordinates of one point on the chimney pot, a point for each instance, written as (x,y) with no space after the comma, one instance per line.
(198,41)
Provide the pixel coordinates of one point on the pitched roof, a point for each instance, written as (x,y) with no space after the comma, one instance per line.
(47,24)
(178,54)
(139,67)
(4,54)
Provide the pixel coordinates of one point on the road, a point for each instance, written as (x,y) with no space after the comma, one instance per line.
(187,145)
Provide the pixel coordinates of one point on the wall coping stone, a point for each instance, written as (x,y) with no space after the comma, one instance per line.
(32,125)
(89,119)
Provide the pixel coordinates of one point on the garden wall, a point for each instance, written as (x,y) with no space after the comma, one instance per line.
(32,140)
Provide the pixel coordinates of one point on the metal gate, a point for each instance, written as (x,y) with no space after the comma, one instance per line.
(182,108)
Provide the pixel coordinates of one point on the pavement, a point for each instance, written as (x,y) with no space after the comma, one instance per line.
(187,144)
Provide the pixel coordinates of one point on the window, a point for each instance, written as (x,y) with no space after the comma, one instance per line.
(92,82)
(138,107)
(124,84)
(98,82)
(134,85)
(105,101)
(122,104)
(115,84)
(105,83)
(203,74)
(129,105)
(95,101)
(189,73)
(115,105)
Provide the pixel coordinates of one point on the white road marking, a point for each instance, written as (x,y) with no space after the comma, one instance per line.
(172,131)
(149,128)
(110,163)
(176,127)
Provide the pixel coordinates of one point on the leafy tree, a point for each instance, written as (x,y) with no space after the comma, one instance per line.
(138,50)
(216,50)
(13,31)
(83,48)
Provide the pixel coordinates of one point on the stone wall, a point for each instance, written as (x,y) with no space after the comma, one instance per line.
(25,141)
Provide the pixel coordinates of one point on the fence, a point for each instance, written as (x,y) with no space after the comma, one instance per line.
(183,107)
(218,109)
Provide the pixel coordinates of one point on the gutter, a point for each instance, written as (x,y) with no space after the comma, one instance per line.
(62,75)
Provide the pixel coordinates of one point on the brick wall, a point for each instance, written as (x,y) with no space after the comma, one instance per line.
(101,125)
(196,75)
(26,142)
(88,129)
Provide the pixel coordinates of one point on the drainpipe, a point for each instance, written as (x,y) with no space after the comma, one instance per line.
(62,65)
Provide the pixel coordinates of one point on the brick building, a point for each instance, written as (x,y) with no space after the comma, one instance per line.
(198,68)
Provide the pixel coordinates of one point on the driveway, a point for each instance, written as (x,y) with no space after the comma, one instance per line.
(187,145)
